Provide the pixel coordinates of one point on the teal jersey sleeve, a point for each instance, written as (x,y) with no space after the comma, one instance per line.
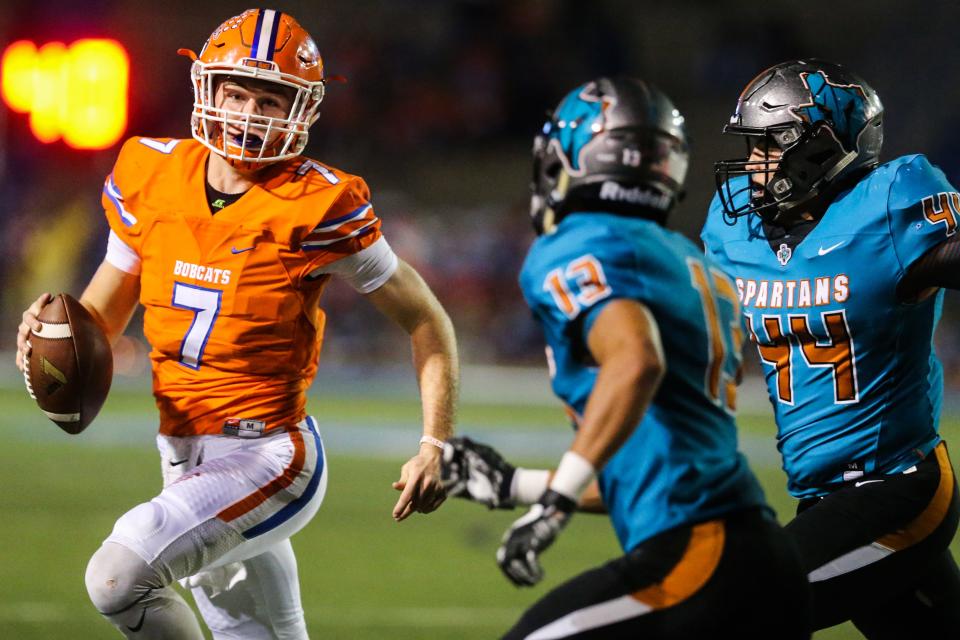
(573,280)
(922,210)
(624,279)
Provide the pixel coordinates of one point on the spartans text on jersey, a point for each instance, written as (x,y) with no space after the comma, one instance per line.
(803,293)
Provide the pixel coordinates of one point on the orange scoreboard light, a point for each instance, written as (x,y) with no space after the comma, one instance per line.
(76,92)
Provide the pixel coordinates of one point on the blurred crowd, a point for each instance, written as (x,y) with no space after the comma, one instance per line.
(439,107)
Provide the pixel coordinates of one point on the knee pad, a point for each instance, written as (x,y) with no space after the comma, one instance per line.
(117,578)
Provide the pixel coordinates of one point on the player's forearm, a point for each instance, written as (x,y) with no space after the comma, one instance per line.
(591,501)
(625,341)
(407,300)
(111,298)
(438,374)
(624,388)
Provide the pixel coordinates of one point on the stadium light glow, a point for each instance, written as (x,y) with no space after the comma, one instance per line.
(78,93)
(48,99)
(18,64)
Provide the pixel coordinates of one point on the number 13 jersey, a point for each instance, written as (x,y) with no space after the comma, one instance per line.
(850,369)
(680,465)
(231,300)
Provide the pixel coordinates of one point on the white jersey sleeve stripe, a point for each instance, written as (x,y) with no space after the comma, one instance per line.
(116,198)
(367,270)
(336,223)
(120,255)
(319,244)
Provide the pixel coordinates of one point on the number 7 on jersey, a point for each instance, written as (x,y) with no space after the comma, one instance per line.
(205,304)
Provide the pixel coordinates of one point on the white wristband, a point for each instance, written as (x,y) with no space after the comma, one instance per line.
(528,485)
(431,440)
(573,475)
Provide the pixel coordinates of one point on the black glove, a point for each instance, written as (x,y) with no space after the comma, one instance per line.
(476,472)
(531,535)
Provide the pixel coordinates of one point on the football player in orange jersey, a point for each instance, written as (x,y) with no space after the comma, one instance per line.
(228,240)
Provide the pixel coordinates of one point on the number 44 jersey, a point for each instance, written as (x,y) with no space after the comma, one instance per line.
(680,464)
(231,300)
(850,369)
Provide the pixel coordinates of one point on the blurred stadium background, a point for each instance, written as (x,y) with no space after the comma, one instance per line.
(441,103)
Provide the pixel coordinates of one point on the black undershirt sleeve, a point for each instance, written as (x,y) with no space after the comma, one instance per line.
(938,267)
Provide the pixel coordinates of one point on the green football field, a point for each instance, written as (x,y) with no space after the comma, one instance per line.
(363,575)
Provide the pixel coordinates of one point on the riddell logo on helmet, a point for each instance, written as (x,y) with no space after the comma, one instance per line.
(610,190)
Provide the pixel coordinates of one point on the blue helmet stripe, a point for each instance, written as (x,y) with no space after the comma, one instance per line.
(264,40)
(275,29)
(256,34)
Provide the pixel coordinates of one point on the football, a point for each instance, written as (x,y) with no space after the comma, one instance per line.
(70,366)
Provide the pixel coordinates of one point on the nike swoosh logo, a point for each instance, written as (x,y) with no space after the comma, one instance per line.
(143,614)
(177,463)
(235,251)
(822,252)
(863,482)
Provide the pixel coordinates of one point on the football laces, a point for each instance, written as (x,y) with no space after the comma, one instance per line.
(26,374)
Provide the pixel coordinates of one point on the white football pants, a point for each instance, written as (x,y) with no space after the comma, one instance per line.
(222,524)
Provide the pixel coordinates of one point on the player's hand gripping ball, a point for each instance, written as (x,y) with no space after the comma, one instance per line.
(70,366)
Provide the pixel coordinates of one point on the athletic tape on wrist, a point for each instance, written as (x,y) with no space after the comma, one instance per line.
(528,485)
(573,475)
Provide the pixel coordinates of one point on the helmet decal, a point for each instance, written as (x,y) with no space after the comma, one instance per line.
(616,145)
(843,105)
(827,123)
(233,23)
(577,121)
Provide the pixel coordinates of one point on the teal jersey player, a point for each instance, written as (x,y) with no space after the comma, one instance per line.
(851,373)
(839,262)
(681,463)
(643,336)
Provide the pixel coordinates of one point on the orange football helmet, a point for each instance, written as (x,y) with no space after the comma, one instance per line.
(261,44)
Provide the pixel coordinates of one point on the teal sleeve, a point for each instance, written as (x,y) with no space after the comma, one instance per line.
(923,210)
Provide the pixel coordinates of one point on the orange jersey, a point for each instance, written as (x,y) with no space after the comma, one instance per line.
(231,315)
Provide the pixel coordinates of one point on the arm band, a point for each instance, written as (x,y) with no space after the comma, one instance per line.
(366,270)
(121,256)
(573,475)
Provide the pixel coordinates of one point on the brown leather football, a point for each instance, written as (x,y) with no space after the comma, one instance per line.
(70,366)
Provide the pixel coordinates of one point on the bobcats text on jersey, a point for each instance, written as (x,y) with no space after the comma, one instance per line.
(231,300)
